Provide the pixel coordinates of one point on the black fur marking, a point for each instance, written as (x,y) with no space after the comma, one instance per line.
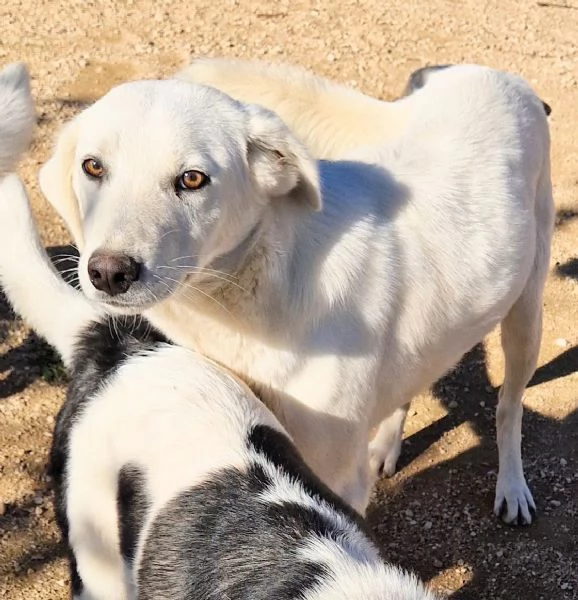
(76,584)
(279,450)
(100,350)
(218,540)
(418,78)
(132,505)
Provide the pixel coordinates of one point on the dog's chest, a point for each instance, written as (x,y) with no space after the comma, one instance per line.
(251,358)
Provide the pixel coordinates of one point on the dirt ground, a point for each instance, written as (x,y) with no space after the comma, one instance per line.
(434,516)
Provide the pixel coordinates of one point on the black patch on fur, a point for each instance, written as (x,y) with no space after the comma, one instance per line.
(278,449)
(218,540)
(132,505)
(76,584)
(418,78)
(100,350)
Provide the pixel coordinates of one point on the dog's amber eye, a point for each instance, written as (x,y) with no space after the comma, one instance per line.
(192,180)
(93,168)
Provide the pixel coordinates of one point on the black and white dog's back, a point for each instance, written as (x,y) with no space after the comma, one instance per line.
(172,480)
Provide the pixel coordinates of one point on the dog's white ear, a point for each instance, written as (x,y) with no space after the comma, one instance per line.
(55,181)
(280,163)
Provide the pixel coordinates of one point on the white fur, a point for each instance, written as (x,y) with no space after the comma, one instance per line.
(55,310)
(424,243)
(311,105)
(172,412)
(179,417)
(52,318)
(363,578)
(16,115)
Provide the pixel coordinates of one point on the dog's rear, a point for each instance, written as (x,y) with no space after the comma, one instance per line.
(63,312)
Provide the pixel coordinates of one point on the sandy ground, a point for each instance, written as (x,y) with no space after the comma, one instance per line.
(434,516)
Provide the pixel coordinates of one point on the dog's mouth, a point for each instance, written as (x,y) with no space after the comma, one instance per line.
(123,307)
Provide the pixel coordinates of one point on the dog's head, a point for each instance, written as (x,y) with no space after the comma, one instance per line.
(159,179)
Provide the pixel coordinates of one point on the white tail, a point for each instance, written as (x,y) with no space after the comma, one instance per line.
(53,309)
(331,119)
(17,118)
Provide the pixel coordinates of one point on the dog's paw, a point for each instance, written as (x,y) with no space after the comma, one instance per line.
(514,502)
(383,461)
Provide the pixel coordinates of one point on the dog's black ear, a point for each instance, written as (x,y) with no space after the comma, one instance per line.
(418,78)
(279,162)
(547,108)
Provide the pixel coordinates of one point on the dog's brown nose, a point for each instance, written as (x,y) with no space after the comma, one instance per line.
(113,273)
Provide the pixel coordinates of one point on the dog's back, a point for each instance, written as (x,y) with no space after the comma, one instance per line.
(330,118)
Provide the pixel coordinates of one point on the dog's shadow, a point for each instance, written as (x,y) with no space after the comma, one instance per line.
(450,524)
(452,528)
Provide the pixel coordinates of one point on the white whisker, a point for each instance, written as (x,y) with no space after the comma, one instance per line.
(210,272)
(195,289)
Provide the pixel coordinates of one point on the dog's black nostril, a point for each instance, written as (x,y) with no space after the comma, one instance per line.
(113,273)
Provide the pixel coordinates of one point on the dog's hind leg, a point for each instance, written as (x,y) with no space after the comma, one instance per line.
(521,336)
(56,311)
(385,447)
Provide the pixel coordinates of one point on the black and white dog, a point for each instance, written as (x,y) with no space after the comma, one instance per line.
(172,480)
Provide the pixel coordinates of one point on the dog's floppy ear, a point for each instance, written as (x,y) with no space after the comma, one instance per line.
(55,180)
(279,162)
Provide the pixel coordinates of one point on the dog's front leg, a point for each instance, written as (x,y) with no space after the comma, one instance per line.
(385,447)
(521,334)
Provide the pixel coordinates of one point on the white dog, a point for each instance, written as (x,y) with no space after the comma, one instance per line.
(172,480)
(338,289)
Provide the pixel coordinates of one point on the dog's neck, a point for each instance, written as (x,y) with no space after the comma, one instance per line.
(285,277)
(254,291)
